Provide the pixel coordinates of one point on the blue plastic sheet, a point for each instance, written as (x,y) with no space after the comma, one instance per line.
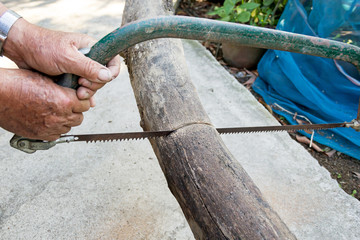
(307,89)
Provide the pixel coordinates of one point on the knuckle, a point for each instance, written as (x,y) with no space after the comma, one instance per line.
(87,106)
(75,120)
(67,104)
(66,129)
(79,119)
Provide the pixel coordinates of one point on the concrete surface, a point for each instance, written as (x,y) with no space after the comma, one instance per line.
(117,190)
(87,191)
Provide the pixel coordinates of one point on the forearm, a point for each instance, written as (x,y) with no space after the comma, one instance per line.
(17,41)
(14,34)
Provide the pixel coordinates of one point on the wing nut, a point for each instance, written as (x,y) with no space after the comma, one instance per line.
(354,124)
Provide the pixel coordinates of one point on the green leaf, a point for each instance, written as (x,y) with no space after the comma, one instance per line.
(226,19)
(212,13)
(232,2)
(220,11)
(243,17)
(229,6)
(337,36)
(268,2)
(216,11)
(250,5)
(354,192)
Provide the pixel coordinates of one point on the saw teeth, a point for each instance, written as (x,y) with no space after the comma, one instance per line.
(115,140)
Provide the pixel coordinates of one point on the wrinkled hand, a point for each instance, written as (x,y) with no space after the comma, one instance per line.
(54,53)
(34,106)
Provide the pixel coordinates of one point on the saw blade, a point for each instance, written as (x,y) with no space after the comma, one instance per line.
(105,137)
(288,128)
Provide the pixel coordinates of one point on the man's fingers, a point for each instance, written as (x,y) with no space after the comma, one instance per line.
(75,120)
(89,69)
(90,85)
(92,70)
(64,129)
(92,101)
(56,134)
(114,66)
(84,93)
(81,106)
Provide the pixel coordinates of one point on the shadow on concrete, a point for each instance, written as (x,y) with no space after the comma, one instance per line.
(100,26)
(42,3)
(39,3)
(47,23)
(104,20)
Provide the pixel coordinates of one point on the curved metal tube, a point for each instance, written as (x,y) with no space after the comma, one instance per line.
(218,31)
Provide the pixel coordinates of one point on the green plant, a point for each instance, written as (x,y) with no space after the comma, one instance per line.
(254,12)
(354,192)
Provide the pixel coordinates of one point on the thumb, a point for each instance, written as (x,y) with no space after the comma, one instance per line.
(89,69)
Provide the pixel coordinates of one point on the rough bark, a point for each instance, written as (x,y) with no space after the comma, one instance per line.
(218,198)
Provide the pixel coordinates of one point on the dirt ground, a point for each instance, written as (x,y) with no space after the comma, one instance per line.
(343,168)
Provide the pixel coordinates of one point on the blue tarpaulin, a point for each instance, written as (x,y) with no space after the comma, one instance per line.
(308,89)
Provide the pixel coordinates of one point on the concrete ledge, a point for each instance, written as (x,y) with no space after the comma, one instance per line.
(301,191)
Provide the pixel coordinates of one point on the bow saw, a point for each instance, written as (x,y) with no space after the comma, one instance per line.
(207,30)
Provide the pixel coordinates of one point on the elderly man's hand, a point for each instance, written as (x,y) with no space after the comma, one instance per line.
(54,53)
(34,106)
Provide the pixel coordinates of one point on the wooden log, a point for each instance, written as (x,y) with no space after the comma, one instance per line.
(218,198)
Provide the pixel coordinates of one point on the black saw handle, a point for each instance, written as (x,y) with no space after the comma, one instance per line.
(32,145)
(68,80)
